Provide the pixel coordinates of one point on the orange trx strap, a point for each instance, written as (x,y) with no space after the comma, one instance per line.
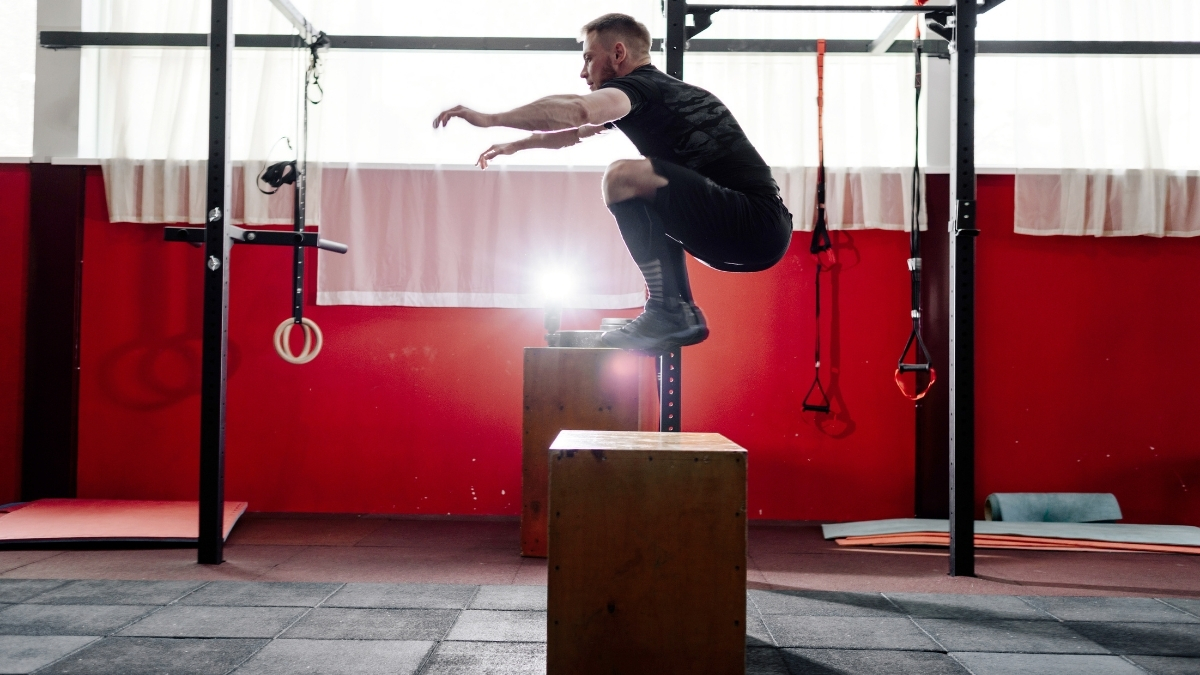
(816,400)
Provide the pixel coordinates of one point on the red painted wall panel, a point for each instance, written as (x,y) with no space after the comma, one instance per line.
(14,279)
(1088,366)
(417,410)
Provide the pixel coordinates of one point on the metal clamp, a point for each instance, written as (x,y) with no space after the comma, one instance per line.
(964,219)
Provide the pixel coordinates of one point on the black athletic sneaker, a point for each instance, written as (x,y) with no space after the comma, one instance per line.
(696,319)
(660,328)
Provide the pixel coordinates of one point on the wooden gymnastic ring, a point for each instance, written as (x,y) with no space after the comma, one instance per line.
(312,346)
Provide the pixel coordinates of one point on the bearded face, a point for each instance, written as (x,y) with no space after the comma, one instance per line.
(600,60)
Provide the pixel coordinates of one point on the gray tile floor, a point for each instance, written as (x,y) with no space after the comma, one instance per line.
(134,627)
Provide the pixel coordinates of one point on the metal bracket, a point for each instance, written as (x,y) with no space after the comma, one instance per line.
(940,24)
(702,20)
(964,219)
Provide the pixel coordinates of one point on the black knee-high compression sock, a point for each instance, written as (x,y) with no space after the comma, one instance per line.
(659,257)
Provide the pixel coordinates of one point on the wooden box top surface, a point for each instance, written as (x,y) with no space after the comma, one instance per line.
(643,440)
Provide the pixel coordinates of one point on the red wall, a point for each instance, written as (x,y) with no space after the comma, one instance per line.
(417,410)
(411,410)
(14,275)
(1088,365)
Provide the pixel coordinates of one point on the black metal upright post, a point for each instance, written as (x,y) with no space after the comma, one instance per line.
(669,399)
(670,364)
(963,230)
(298,251)
(675,43)
(216,291)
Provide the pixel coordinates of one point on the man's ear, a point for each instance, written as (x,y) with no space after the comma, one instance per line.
(619,52)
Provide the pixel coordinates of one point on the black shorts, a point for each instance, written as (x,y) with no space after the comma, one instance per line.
(725,229)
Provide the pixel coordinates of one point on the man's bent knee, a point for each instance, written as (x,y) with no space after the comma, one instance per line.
(629,178)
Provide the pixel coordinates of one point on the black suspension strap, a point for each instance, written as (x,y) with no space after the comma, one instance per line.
(923,361)
(296,172)
(821,246)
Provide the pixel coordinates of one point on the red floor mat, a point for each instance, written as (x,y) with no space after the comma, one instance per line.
(48,521)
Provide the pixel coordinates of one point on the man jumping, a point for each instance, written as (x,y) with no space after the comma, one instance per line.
(702,188)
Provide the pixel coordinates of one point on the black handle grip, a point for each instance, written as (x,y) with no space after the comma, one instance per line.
(807,407)
(914,367)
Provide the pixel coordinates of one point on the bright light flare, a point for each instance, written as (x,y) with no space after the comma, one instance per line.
(555,285)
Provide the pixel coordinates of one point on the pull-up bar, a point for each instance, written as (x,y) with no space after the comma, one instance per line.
(890,9)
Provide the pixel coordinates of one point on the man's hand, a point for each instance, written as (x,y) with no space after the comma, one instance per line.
(472,117)
(495,151)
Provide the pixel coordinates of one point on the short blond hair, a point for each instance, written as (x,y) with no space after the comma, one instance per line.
(615,27)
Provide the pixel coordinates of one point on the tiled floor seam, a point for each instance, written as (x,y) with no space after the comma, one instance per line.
(423,666)
(1126,659)
(893,603)
(299,550)
(123,627)
(284,629)
(1025,600)
(763,620)
(516,573)
(960,663)
(1180,609)
(67,656)
(34,562)
(922,629)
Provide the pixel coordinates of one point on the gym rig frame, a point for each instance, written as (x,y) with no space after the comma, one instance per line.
(960,32)
(955,23)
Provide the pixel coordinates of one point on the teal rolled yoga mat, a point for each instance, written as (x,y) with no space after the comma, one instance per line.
(1052,507)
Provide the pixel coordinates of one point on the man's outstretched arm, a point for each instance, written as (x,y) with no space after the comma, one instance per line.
(550,141)
(552,113)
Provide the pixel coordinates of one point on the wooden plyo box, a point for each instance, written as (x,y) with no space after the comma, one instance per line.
(573,388)
(647,569)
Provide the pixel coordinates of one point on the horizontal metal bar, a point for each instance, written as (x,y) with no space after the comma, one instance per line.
(533,44)
(931,47)
(914,9)
(1089,47)
(195,235)
(58,39)
(941,47)
(266,41)
(68,39)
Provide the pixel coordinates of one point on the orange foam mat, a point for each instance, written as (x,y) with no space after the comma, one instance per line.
(1013,541)
(48,521)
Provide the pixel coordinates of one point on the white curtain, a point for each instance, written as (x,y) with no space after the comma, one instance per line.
(19,17)
(869,126)
(470,238)
(1100,145)
(145,115)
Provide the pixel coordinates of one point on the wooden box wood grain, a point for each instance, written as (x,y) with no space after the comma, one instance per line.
(647,568)
(574,389)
